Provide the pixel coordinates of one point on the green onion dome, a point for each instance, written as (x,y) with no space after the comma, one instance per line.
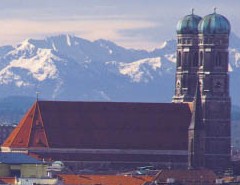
(188,24)
(214,24)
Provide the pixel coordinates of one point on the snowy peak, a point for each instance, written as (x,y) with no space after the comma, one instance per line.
(140,71)
(39,67)
(69,67)
(72,68)
(168,47)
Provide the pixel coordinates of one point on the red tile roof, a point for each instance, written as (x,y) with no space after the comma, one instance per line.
(7,180)
(187,177)
(104,179)
(30,132)
(103,125)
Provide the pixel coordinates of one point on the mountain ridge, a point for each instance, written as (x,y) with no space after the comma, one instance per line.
(66,67)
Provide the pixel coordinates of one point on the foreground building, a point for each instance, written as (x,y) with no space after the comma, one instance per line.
(21,165)
(193,131)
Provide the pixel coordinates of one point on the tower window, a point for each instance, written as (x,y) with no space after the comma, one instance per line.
(184,41)
(179,61)
(218,60)
(195,60)
(186,59)
(201,58)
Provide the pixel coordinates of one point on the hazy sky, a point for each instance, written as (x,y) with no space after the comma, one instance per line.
(131,23)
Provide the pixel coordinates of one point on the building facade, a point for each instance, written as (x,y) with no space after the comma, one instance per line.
(202,56)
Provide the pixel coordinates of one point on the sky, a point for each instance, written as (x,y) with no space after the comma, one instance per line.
(139,24)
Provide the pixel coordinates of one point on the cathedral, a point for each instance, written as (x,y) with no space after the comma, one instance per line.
(191,132)
(202,60)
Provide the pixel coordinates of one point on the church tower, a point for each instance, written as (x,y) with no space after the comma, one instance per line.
(187,58)
(209,38)
(214,30)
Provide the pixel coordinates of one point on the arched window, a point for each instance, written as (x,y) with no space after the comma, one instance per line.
(195,60)
(179,61)
(186,59)
(218,60)
(201,58)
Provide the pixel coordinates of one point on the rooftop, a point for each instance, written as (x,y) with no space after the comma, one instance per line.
(104,179)
(103,125)
(17,158)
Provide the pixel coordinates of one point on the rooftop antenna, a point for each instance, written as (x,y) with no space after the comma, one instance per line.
(37,93)
(192,11)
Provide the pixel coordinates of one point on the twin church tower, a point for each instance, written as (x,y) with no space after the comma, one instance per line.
(202,77)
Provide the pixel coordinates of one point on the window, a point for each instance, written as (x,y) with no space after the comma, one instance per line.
(195,60)
(179,61)
(15,173)
(218,60)
(201,58)
(186,59)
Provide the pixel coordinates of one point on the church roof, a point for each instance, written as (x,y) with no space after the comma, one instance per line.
(103,125)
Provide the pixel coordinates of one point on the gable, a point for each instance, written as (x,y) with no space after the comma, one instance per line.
(30,131)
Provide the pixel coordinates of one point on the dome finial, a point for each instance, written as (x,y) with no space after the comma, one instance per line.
(215,9)
(192,11)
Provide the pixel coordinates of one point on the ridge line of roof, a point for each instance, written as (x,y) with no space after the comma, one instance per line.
(30,133)
(111,102)
(40,114)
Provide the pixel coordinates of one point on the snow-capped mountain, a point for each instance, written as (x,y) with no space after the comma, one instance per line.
(66,67)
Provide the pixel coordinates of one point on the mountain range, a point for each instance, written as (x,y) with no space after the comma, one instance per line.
(66,67)
(70,68)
